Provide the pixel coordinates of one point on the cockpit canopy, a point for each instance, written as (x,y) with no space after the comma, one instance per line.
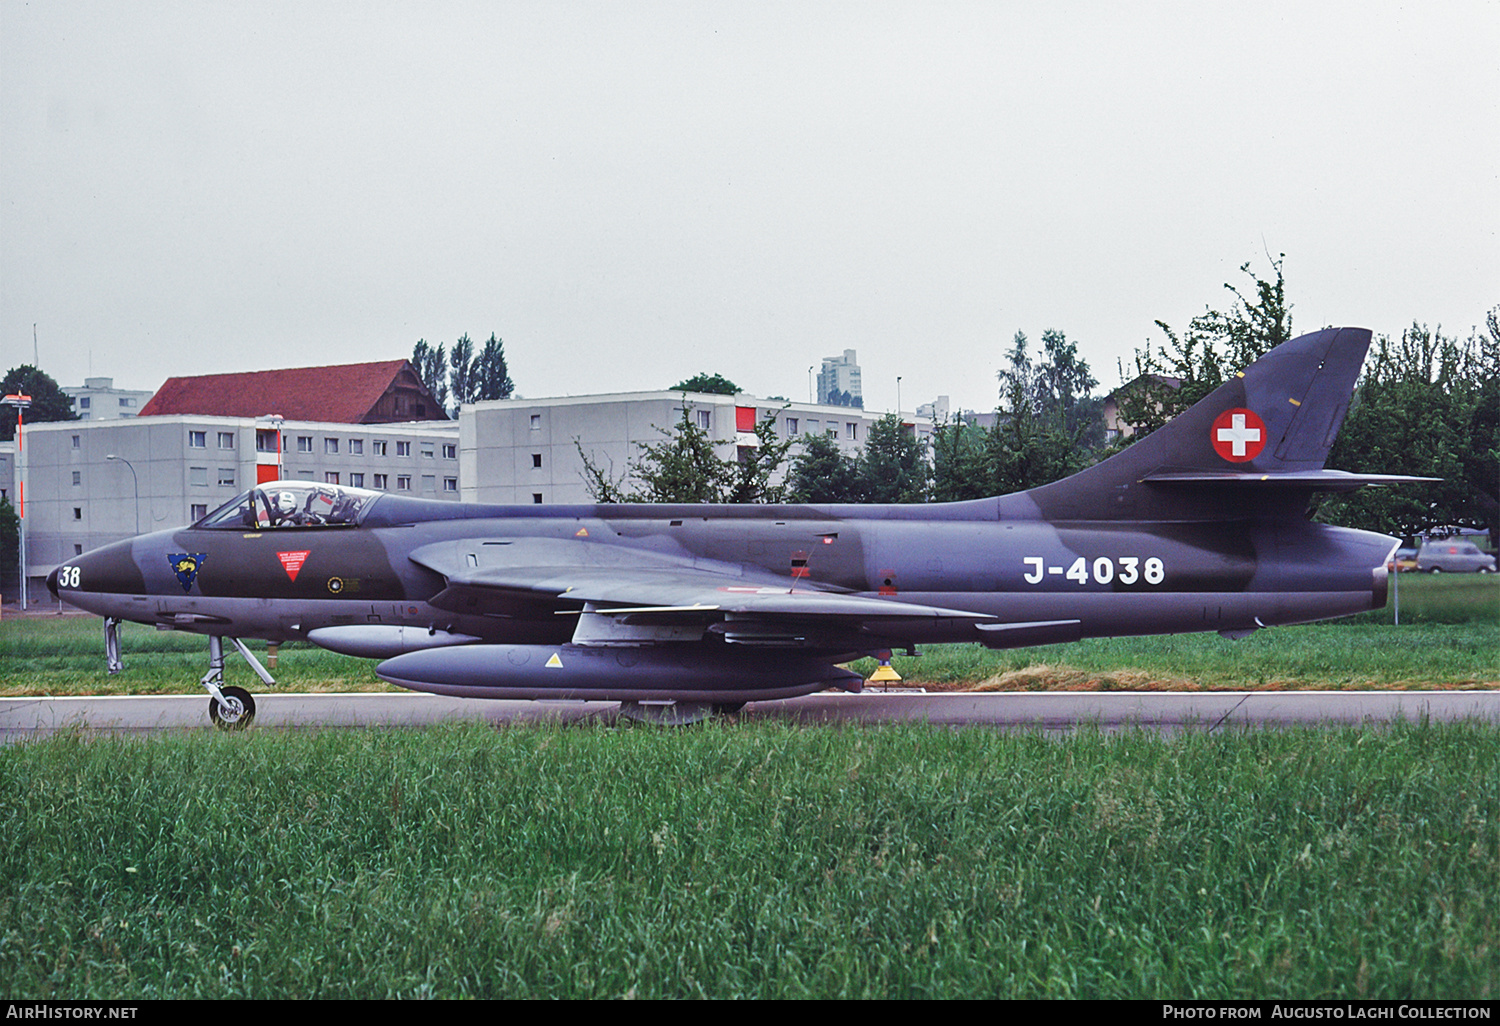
(279,504)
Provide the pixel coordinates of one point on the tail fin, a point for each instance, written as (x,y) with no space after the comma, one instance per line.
(1270,427)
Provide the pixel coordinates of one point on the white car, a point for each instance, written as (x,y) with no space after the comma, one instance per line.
(1453,556)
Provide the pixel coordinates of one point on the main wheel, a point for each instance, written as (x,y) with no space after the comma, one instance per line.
(236,713)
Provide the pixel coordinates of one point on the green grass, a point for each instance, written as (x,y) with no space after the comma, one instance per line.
(1449,637)
(759,860)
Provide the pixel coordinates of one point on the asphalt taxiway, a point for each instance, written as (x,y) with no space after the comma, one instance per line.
(22,718)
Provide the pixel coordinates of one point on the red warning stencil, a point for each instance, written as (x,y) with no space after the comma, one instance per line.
(291,562)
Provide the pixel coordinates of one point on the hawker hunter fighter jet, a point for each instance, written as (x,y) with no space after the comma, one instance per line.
(1201,526)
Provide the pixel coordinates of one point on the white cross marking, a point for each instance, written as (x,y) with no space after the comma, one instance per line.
(1237,434)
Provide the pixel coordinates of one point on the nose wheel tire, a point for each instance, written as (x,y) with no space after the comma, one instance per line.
(235,713)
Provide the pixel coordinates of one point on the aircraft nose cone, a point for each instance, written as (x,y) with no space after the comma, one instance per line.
(52,583)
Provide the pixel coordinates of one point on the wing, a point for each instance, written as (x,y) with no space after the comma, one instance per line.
(631,596)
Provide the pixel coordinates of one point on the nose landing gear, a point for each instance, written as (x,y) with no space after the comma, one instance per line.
(230,708)
(235,712)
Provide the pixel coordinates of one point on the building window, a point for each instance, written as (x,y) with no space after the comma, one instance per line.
(536,498)
(266,441)
(77,549)
(330,477)
(356,447)
(403,448)
(226,439)
(851,432)
(198,476)
(403,482)
(706,419)
(536,422)
(380,481)
(536,459)
(427,451)
(357,480)
(226,477)
(127,402)
(304,443)
(83,403)
(76,441)
(833,430)
(812,426)
(791,427)
(197,511)
(77,512)
(77,477)
(450,484)
(378,448)
(197,439)
(331,446)
(450,451)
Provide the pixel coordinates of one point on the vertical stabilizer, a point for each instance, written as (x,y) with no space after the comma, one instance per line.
(1278,417)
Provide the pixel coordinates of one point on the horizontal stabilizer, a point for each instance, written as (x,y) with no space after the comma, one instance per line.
(1317,480)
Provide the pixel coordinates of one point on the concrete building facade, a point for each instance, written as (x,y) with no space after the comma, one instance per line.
(99,399)
(526,451)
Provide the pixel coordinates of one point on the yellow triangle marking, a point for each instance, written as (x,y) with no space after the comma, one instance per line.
(554,661)
(885,672)
(583,532)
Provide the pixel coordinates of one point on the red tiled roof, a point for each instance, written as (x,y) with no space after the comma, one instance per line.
(346,394)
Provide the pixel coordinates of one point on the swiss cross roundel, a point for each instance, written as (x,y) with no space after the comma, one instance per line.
(1238,435)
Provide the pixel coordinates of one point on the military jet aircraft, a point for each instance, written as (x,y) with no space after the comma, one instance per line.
(1200,526)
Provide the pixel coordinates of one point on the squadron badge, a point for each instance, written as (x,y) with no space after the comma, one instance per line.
(186,565)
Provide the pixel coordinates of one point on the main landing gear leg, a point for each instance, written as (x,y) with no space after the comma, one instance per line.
(112,645)
(230,708)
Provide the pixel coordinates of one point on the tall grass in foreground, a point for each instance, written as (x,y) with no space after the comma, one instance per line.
(752,861)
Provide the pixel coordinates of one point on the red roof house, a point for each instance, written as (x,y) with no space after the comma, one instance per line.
(355,393)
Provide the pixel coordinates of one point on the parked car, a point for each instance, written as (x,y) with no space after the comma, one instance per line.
(1404,561)
(1453,556)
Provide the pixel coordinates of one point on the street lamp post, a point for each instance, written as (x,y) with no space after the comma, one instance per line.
(898,397)
(136,485)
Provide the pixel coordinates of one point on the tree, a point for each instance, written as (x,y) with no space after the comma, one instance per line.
(1063,394)
(432,368)
(1420,409)
(708,384)
(491,374)
(49,403)
(685,467)
(10,557)
(462,379)
(893,466)
(958,466)
(821,474)
(758,464)
(1215,344)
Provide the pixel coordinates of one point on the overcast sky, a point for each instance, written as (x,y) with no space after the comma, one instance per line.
(629,193)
